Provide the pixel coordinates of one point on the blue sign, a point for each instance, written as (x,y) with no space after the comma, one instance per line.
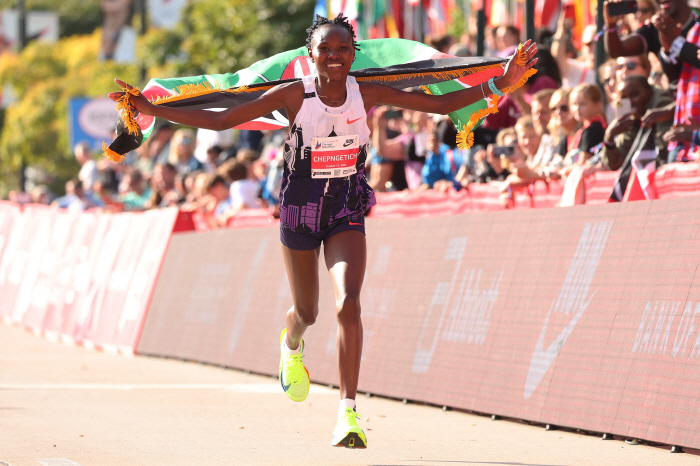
(92,121)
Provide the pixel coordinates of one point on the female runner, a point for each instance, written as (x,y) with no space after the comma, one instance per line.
(324,193)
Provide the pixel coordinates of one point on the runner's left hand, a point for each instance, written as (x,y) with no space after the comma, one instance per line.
(515,72)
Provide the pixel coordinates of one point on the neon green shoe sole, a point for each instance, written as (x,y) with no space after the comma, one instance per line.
(294,377)
(347,433)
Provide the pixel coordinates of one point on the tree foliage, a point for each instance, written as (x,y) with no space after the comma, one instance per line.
(45,77)
(75,16)
(214,36)
(220,36)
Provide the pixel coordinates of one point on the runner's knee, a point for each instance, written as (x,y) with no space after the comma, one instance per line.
(306,315)
(348,307)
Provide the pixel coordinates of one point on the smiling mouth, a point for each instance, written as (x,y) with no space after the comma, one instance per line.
(335,65)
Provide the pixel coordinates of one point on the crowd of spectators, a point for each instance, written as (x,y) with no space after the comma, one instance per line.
(569,121)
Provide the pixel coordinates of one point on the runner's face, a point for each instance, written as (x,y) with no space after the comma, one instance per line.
(332,51)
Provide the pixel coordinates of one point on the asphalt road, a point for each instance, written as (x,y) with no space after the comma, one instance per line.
(65,406)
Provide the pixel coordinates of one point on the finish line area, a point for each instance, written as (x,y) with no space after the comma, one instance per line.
(63,405)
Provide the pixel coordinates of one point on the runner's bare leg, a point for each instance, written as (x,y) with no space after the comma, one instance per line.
(346,258)
(302,271)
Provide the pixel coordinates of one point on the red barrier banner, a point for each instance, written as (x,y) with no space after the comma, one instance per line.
(677,179)
(479,197)
(9,211)
(83,277)
(21,261)
(584,317)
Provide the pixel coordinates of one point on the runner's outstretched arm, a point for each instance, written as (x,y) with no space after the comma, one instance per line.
(277,97)
(377,94)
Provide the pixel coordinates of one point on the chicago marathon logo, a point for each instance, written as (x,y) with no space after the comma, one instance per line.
(571,302)
(460,310)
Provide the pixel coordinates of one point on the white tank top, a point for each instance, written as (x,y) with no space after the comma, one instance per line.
(324,179)
(319,120)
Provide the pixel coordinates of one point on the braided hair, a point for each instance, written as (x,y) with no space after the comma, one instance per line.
(339,20)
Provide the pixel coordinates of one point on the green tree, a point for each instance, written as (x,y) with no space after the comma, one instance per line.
(215,36)
(45,77)
(220,36)
(75,16)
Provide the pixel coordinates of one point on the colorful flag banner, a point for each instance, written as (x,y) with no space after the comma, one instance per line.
(394,62)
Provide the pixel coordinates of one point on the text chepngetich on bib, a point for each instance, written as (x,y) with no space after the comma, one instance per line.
(334,157)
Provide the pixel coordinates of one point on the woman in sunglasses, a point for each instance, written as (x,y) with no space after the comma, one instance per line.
(562,127)
(634,65)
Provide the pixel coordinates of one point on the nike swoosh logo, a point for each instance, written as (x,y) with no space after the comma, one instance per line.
(572,297)
(542,359)
(349,121)
(348,144)
(284,387)
(354,223)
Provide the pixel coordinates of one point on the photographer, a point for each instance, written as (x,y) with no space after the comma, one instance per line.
(624,128)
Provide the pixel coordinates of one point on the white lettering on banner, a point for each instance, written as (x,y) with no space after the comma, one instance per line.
(657,323)
(470,314)
(247,294)
(572,298)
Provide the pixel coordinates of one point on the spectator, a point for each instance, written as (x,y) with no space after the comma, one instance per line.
(389,132)
(196,196)
(218,208)
(492,167)
(562,126)
(144,162)
(20,197)
(243,191)
(206,139)
(541,115)
(441,165)
(522,169)
(442,43)
(89,173)
(137,192)
(273,181)
(249,139)
(573,71)
(586,102)
(623,130)
(632,65)
(163,192)
(416,146)
(159,142)
(214,158)
(41,195)
(182,151)
(646,9)
(506,40)
(653,37)
(75,199)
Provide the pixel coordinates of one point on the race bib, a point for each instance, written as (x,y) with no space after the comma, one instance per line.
(334,157)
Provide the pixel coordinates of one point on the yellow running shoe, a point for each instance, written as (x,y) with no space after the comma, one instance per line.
(347,433)
(293,375)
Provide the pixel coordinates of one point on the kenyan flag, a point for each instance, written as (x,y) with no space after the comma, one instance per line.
(393,62)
